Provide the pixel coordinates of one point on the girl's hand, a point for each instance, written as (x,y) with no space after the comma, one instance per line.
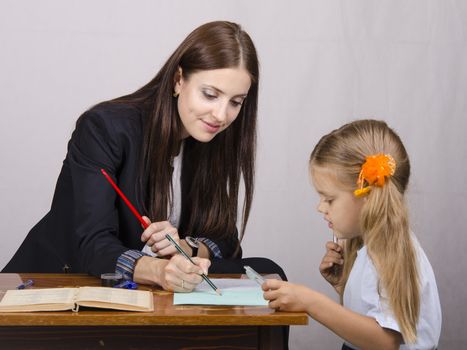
(180,275)
(332,263)
(285,296)
(154,236)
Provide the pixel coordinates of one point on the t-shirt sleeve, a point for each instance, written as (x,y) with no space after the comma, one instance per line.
(376,303)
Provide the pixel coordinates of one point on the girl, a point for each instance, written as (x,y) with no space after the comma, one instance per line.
(178,148)
(384,279)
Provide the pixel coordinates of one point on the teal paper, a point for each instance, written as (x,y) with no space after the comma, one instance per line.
(240,292)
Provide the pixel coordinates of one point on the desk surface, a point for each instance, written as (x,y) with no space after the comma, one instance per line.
(165,312)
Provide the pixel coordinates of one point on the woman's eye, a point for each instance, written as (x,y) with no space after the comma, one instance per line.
(236,103)
(208,95)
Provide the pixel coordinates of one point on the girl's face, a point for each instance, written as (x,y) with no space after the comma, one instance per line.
(341,209)
(209,101)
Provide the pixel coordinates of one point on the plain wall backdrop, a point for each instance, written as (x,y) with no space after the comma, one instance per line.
(323,63)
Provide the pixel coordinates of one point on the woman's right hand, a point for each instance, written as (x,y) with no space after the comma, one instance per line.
(332,263)
(175,274)
(180,275)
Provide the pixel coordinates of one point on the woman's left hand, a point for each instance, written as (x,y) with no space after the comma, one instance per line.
(154,236)
(285,296)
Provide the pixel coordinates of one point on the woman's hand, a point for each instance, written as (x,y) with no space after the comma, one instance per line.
(285,296)
(154,236)
(180,275)
(331,264)
(169,273)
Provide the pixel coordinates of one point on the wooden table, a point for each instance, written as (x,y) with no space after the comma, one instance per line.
(168,327)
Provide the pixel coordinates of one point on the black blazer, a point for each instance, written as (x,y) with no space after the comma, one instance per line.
(88,226)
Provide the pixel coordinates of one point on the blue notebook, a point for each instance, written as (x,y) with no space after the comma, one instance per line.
(241,292)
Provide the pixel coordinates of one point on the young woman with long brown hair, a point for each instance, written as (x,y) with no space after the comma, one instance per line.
(384,279)
(179,148)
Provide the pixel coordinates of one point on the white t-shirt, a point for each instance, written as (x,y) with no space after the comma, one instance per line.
(361,295)
(174,211)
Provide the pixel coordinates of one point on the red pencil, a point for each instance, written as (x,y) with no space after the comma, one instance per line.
(127,202)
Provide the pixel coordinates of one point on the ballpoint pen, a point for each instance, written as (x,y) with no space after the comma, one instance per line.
(335,267)
(127,285)
(181,251)
(26,284)
(335,239)
(253,275)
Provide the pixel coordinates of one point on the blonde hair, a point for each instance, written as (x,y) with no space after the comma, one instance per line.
(384,217)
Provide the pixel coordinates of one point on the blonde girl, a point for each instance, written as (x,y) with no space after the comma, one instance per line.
(388,292)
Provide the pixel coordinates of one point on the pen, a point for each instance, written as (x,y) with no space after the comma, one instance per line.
(253,275)
(181,251)
(26,284)
(127,285)
(127,202)
(335,267)
(335,239)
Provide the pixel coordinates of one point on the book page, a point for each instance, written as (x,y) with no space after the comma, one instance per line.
(115,298)
(38,296)
(38,299)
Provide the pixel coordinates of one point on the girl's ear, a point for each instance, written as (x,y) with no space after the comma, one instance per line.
(362,201)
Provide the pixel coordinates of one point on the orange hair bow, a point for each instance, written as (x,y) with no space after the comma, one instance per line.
(374,171)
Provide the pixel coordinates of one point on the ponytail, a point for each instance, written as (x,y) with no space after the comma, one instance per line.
(385,224)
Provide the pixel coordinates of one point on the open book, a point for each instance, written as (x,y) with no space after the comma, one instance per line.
(59,299)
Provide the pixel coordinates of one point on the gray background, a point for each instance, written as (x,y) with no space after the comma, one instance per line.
(323,63)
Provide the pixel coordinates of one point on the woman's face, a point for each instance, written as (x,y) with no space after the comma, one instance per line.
(209,101)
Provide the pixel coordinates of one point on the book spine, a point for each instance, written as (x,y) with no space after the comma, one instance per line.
(75,308)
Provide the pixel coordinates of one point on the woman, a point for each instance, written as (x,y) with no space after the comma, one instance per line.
(178,148)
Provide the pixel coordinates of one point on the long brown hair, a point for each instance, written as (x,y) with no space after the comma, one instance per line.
(384,217)
(218,166)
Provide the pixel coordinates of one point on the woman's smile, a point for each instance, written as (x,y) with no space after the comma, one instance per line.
(211,127)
